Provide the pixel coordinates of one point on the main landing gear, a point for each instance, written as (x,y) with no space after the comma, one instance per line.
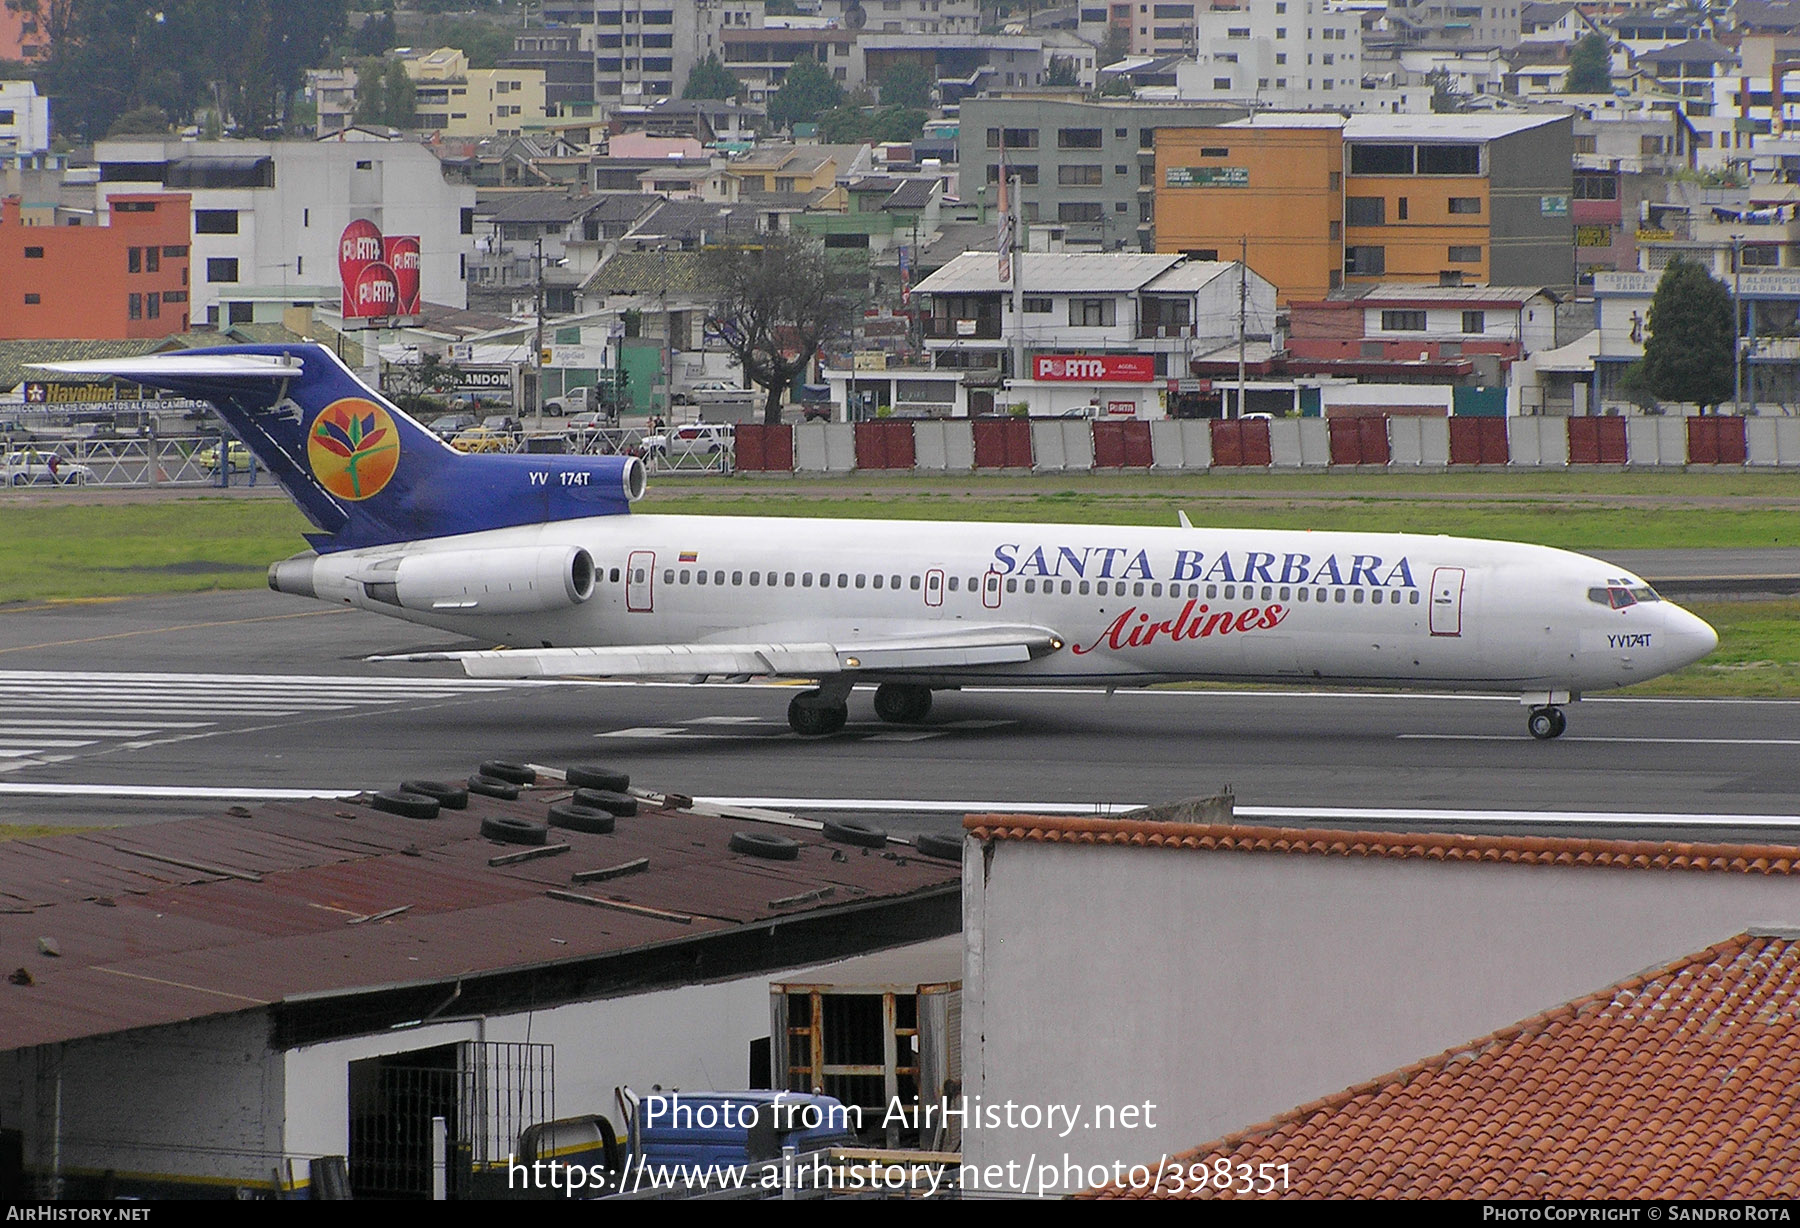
(1546,723)
(821,712)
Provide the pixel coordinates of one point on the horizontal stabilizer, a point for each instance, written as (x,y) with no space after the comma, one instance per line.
(971,646)
(151,368)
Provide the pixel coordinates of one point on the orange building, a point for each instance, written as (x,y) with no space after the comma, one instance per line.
(22,36)
(127,280)
(1323,201)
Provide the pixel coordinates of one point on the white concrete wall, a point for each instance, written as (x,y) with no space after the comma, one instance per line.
(1183,444)
(1423,442)
(1227,988)
(200,1100)
(1656,441)
(824,447)
(1062,444)
(1772,441)
(1298,442)
(940,446)
(1538,442)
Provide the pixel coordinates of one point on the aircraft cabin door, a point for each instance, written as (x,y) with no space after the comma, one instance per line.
(990,590)
(640,582)
(934,587)
(1446,601)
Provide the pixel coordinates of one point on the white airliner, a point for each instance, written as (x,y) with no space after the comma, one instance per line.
(542,553)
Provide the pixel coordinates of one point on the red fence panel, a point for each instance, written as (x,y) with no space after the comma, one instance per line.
(1596,441)
(1240,442)
(1002,443)
(1361,440)
(764,449)
(1716,441)
(884,445)
(1479,441)
(1122,445)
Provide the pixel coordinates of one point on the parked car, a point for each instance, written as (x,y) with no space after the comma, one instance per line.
(483,439)
(446,426)
(713,392)
(237,454)
(32,468)
(694,439)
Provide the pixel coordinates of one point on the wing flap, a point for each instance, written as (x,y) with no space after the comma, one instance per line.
(970,646)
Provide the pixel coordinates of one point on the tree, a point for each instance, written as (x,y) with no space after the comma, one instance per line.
(711,79)
(806,93)
(853,125)
(375,35)
(143,121)
(385,95)
(1117,45)
(776,302)
(1590,67)
(907,84)
(1688,355)
(1061,71)
(1445,96)
(1117,86)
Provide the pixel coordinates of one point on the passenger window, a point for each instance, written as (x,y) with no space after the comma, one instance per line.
(1340,597)
(718,577)
(878,580)
(1212,591)
(669,576)
(1230,592)
(1137,590)
(685,574)
(1320,597)
(1284,594)
(737,578)
(1067,586)
(806,579)
(789,582)
(1303,593)
(1031,586)
(915,584)
(1084,588)
(1358,599)
(1375,596)
(862,581)
(954,580)
(1156,590)
(755,577)
(1012,586)
(843,580)
(1415,597)
(700,577)
(615,575)
(1268,593)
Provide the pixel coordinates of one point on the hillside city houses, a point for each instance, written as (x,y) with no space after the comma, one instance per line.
(1254,207)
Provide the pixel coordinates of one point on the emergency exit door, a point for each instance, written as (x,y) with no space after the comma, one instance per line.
(640,582)
(1446,601)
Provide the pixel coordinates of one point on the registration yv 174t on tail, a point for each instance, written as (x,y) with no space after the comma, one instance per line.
(543,553)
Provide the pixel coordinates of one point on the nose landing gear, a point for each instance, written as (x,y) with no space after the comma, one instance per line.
(1546,723)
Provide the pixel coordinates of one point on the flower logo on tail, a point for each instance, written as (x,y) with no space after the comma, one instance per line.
(353,448)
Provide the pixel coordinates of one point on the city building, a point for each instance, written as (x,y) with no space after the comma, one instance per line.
(1101,330)
(1087,164)
(1320,201)
(267,215)
(22,35)
(24,124)
(567,65)
(644,49)
(125,278)
(456,100)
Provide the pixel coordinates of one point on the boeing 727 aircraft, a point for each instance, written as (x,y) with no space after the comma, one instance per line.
(542,553)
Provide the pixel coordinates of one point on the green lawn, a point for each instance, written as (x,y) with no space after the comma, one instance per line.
(92,549)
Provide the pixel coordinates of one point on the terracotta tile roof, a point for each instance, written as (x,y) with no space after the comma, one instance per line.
(1431,846)
(1683,1082)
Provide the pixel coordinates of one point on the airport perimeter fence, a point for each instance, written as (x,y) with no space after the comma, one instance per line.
(1366,443)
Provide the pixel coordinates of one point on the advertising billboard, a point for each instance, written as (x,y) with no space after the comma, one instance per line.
(379,276)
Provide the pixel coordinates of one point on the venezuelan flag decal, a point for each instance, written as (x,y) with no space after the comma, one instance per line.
(353,448)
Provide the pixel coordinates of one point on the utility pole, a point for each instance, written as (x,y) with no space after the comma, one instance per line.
(1737,326)
(537,345)
(1243,303)
(1018,291)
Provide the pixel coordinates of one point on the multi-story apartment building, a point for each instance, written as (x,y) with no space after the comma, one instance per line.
(24,122)
(1086,164)
(126,278)
(1456,23)
(567,64)
(942,17)
(459,101)
(1279,53)
(1319,201)
(267,215)
(645,49)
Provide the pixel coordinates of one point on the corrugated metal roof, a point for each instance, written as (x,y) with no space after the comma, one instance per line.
(263,910)
(1188,276)
(1492,296)
(1061,272)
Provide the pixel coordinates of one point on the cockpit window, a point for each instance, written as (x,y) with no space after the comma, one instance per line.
(1618,594)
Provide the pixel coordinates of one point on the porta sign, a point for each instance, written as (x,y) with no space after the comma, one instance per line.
(379,275)
(1094,369)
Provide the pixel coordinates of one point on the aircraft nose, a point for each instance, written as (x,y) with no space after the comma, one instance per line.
(1692,636)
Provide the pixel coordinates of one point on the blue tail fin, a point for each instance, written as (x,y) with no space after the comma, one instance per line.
(363,472)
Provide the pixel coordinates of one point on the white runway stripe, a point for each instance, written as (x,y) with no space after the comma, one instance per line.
(44,714)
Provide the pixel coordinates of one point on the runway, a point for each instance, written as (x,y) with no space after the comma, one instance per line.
(250,691)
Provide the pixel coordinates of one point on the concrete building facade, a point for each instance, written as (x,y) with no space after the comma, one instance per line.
(126,278)
(267,215)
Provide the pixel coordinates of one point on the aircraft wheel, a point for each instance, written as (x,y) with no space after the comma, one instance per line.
(813,717)
(1546,723)
(902,703)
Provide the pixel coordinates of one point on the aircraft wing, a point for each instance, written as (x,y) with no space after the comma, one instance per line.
(967,646)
